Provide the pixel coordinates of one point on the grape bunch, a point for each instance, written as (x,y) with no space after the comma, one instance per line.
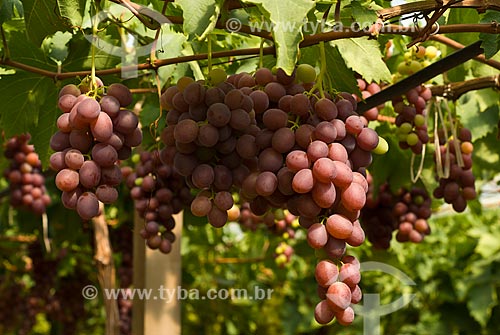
(367,90)
(47,293)
(412,209)
(377,218)
(459,186)
(411,119)
(283,254)
(415,60)
(338,289)
(26,181)
(406,212)
(93,135)
(158,192)
(278,221)
(264,137)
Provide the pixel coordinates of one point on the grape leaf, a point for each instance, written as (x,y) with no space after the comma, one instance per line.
(477,115)
(72,10)
(200,16)
(364,56)
(363,16)
(491,42)
(79,57)
(24,51)
(337,73)
(171,45)
(482,299)
(287,18)
(460,16)
(42,19)
(23,96)
(41,134)
(10,9)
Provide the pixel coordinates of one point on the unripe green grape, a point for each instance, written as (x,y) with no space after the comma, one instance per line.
(431,52)
(280,249)
(138,182)
(216,76)
(136,158)
(402,68)
(306,73)
(382,146)
(402,137)
(183,82)
(415,66)
(419,120)
(405,128)
(412,139)
(418,200)
(281,260)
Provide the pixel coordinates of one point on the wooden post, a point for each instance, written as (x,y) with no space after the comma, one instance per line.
(158,271)
(106,272)
(139,266)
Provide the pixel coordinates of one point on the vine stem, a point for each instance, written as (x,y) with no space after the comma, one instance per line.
(453,91)
(261,53)
(308,41)
(455,45)
(93,81)
(322,70)
(209,52)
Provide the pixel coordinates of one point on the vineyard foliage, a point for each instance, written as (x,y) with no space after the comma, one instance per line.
(47,45)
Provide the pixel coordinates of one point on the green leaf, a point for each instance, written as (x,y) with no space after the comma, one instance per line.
(477,114)
(488,245)
(200,16)
(482,299)
(461,16)
(338,74)
(79,57)
(72,10)
(42,19)
(491,42)
(364,56)
(55,46)
(10,9)
(172,46)
(365,17)
(287,18)
(47,126)
(23,95)
(24,51)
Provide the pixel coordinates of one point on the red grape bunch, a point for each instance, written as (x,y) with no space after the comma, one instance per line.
(459,186)
(412,209)
(280,147)
(368,90)
(377,218)
(338,289)
(93,135)
(208,126)
(411,118)
(158,193)
(406,212)
(26,181)
(277,221)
